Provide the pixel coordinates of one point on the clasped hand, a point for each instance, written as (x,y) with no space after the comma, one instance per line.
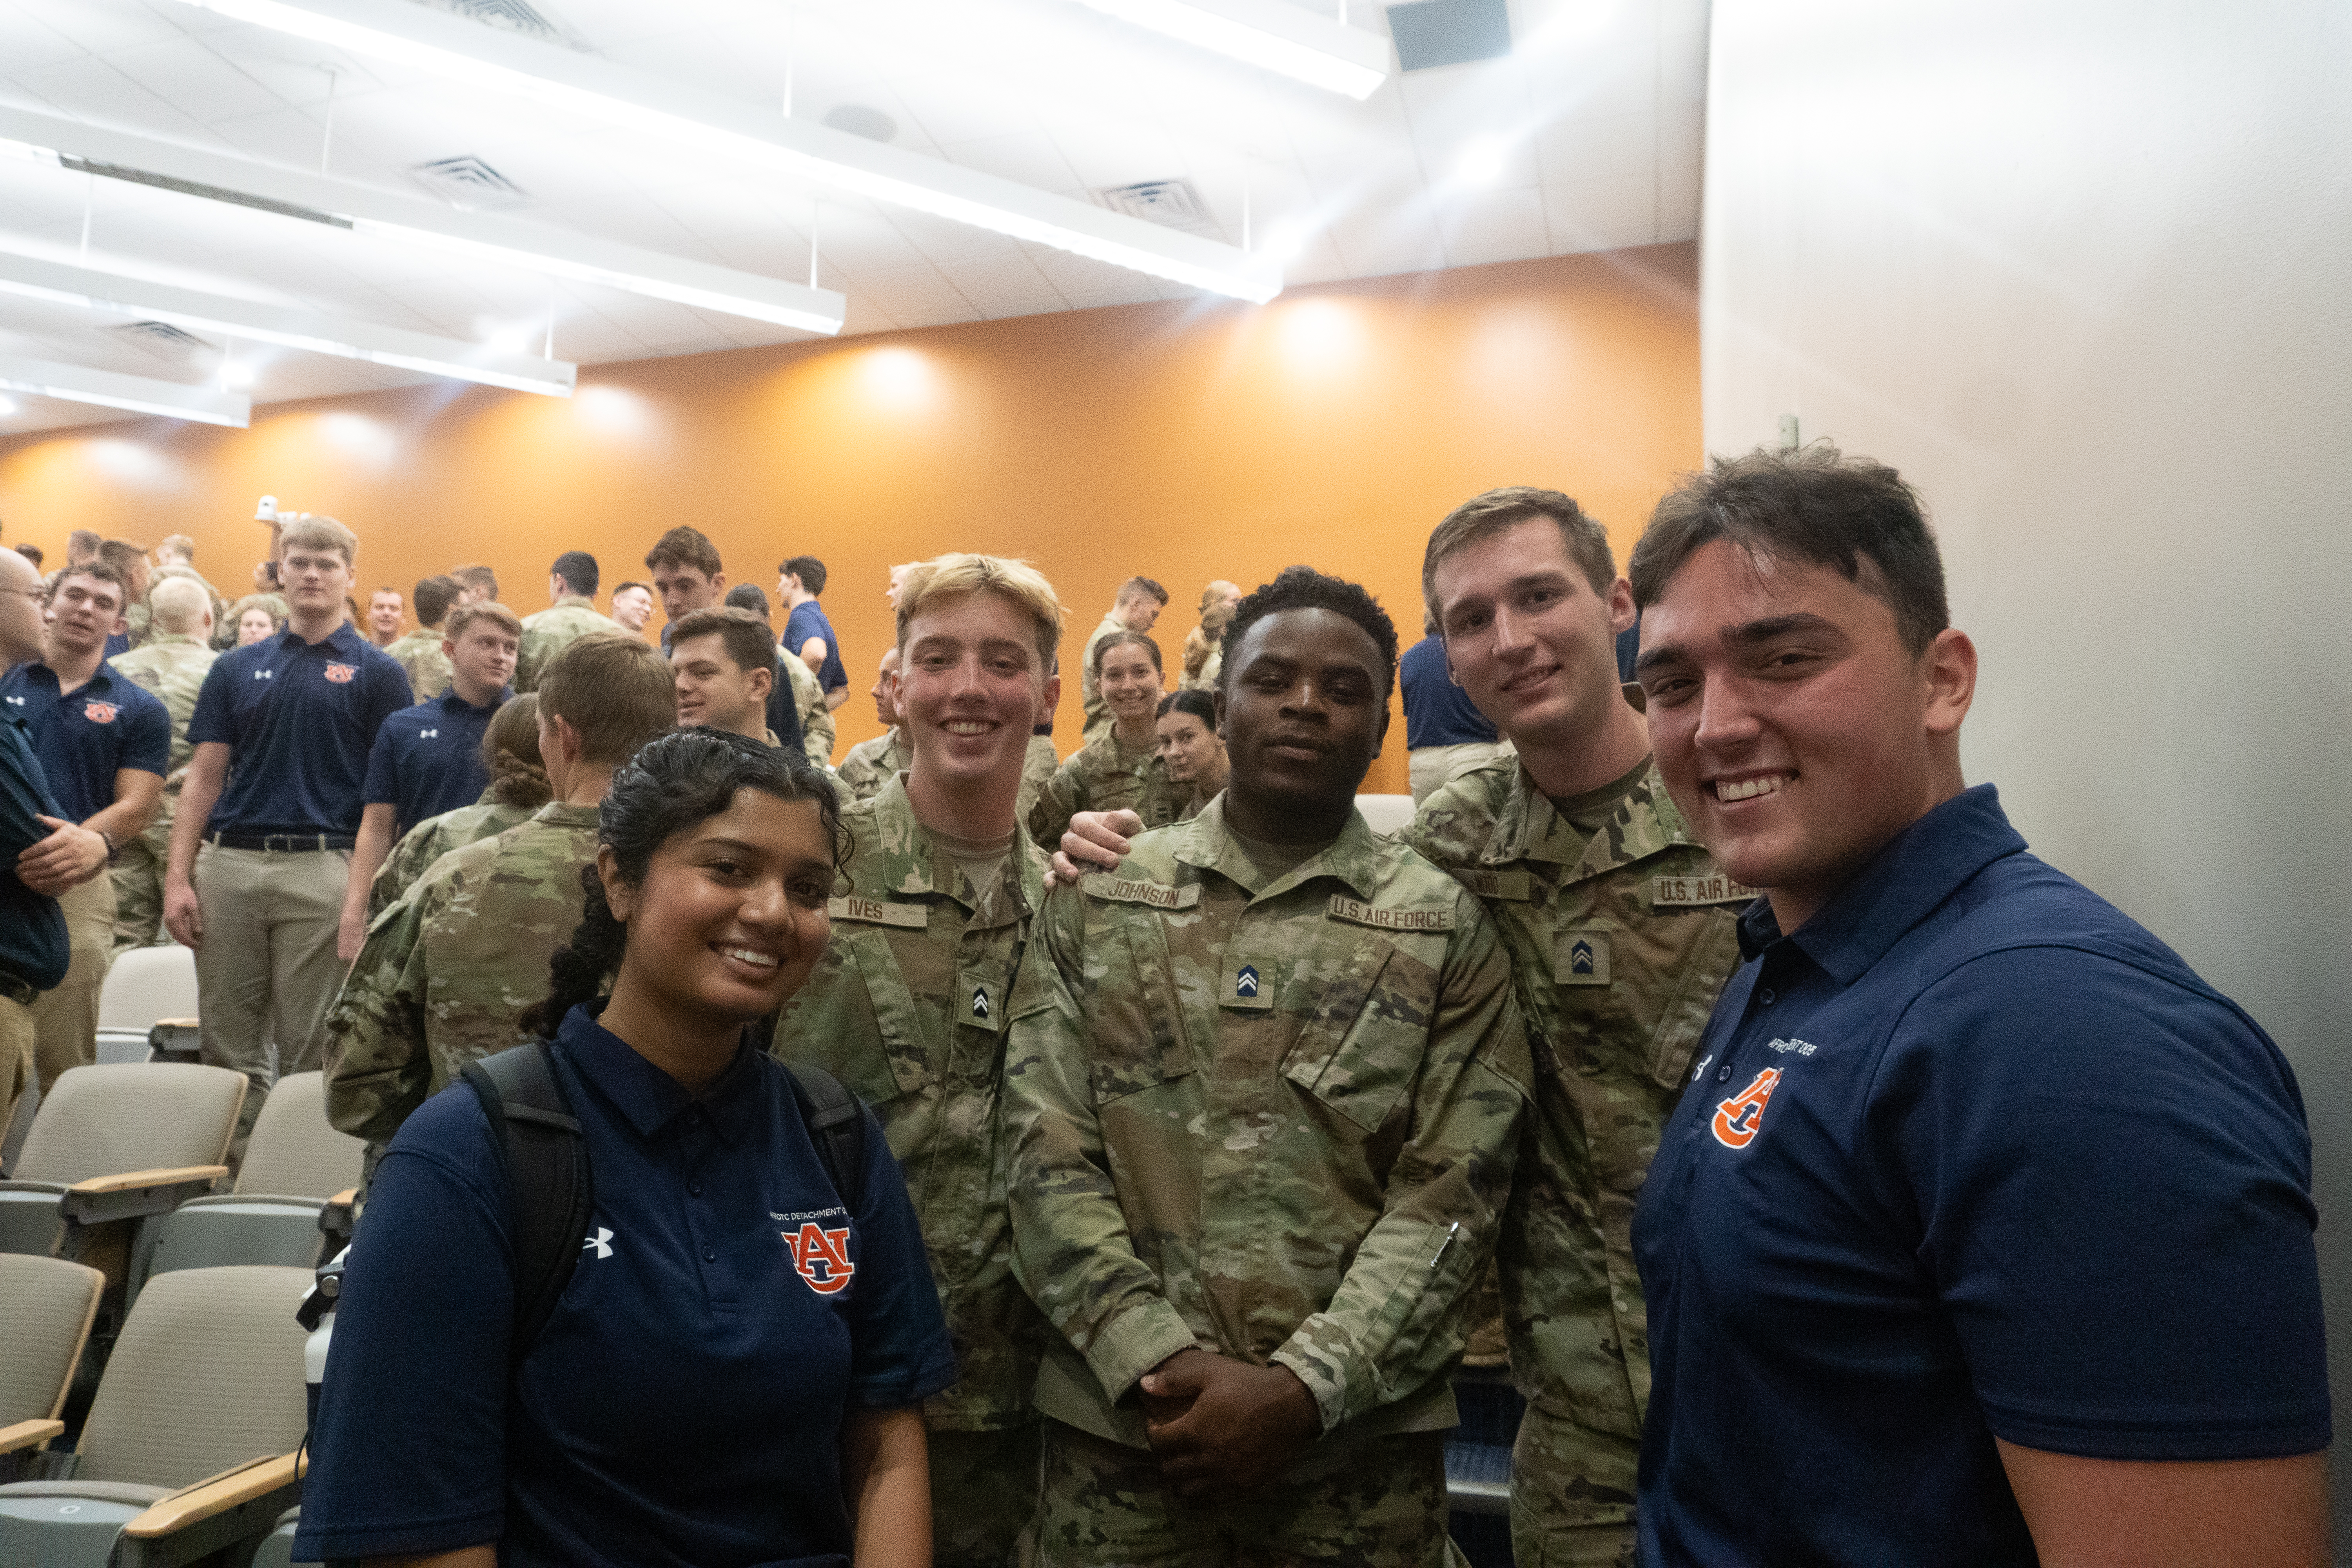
(1221,1426)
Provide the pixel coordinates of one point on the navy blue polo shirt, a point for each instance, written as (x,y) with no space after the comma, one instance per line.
(107,723)
(683,1405)
(808,621)
(300,719)
(32,928)
(428,759)
(1436,712)
(1968,1156)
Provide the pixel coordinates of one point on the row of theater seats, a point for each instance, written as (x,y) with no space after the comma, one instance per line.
(130,1286)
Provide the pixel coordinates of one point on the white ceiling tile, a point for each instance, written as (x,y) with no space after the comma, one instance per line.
(1043,305)
(192,79)
(26,42)
(1601,215)
(1027,158)
(1495,225)
(1377,241)
(992,281)
(99,93)
(902,292)
(1593,146)
(101,25)
(1137,293)
(1102,154)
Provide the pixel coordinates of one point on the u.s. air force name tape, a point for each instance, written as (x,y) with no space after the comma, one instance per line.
(1681,892)
(874,911)
(1346,908)
(1128,890)
(1511,886)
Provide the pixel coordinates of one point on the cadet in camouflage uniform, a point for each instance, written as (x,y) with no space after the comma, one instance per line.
(1121,771)
(172,666)
(571,584)
(908,1008)
(1264,1105)
(518,787)
(1036,771)
(1135,609)
(870,764)
(447,970)
(419,652)
(1621,931)
(818,732)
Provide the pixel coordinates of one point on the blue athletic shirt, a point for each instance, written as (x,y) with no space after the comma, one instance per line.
(683,1405)
(808,621)
(428,759)
(1969,1154)
(301,718)
(107,725)
(1436,712)
(32,928)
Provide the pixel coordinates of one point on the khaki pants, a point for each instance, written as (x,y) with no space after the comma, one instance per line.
(1571,1494)
(65,1020)
(137,876)
(983,1497)
(1431,768)
(15,1058)
(266,970)
(1377,1504)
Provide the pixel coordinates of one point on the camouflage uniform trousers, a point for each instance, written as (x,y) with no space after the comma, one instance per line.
(1563,1477)
(1377,1504)
(983,1497)
(138,878)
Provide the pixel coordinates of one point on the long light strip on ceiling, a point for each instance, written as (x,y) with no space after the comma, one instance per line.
(475,55)
(1273,35)
(94,289)
(137,394)
(481,237)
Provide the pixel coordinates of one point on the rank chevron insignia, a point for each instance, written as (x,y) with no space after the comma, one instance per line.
(1245,983)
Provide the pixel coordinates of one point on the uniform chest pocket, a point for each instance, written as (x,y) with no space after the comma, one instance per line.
(1135,1012)
(1362,1046)
(905,1065)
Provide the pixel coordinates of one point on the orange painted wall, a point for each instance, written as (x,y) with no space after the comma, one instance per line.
(1184,441)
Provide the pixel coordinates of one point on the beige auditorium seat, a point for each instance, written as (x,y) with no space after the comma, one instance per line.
(145,986)
(1386,813)
(46,1306)
(191,1444)
(116,1142)
(292,1194)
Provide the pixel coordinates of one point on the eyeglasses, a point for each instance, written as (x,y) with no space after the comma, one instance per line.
(33,594)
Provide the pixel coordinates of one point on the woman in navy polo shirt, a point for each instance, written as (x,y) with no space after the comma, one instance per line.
(732,1375)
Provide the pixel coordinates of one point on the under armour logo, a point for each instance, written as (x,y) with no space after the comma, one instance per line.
(979,1001)
(263,674)
(601,1241)
(1245,983)
(428,734)
(1580,958)
(16,701)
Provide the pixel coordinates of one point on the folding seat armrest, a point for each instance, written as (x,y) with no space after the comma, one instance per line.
(131,1194)
(222,1511)
(28,1435)
(337,1221)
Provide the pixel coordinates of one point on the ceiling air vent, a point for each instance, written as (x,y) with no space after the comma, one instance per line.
(512,17)
(1171,204)
(1433,33)
(469,183)
(164,340)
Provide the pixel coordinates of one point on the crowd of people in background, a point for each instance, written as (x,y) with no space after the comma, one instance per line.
(1840,1182)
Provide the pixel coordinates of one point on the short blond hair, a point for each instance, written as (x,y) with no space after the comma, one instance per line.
(314,532)
(178,547)
(464,615)
(957,574)
(177,603)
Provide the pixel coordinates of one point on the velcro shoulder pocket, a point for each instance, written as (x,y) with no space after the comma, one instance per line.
(1362,1047)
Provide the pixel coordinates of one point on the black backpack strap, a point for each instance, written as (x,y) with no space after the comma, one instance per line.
(550,1194)
(837,1124)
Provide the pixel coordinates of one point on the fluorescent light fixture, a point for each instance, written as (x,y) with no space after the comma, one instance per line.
(1275,35)
(138,393)
(92,289)
(524,70)
(1482,161)
(478,236)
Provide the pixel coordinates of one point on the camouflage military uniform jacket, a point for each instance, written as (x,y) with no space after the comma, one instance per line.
(172,666)
(1619,945)
(434,837)
(817,730)
(1276,1118)
(1104,775)
(447,971)
(872,764)
(907,1007)
(546,634)
(419,653)
(1090,698)
(1037,765)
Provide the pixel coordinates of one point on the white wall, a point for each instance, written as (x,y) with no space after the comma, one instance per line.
(2084,273)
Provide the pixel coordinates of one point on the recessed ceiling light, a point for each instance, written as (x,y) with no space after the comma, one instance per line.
(1484,160)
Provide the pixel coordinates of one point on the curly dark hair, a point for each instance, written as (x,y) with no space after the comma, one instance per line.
(1305,588)
(672,781)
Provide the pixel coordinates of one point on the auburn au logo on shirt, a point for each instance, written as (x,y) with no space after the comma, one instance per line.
(1740,1118)
(821,1256)
(341,674)
(99,713)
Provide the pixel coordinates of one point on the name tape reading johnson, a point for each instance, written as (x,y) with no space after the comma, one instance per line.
(1128,890)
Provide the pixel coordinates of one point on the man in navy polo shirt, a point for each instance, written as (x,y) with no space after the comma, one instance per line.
(270,812)
(808,631)
(33,952)
(103,744)
(428,759)
(1982,1232)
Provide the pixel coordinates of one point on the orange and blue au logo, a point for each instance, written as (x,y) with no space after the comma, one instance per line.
(1739,1119)
(821,1257)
